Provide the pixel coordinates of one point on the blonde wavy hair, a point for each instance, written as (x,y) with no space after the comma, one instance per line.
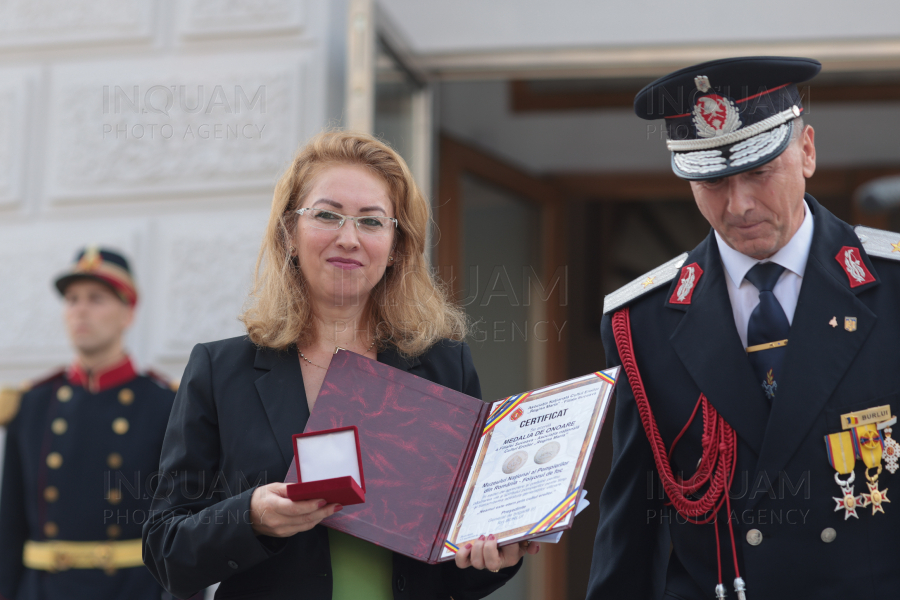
(407,308)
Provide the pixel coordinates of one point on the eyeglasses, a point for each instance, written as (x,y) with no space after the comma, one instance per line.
(327,219)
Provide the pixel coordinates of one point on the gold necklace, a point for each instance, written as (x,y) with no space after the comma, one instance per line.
(372,345)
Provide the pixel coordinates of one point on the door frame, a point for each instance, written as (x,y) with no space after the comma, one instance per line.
(367,25)
(457,159)
(548,574)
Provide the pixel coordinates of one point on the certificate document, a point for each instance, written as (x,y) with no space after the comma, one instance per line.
(533,456)
(442,468)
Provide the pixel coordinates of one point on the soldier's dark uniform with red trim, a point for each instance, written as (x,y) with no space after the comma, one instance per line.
(78,466)
(790,541)
(78,474)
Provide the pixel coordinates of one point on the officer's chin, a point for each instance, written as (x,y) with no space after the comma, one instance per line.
(756,242)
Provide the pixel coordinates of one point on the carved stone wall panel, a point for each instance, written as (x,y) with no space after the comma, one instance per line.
(33,338)
(145,128)
(214,17)
(206,267)
(17,88)
(47,22)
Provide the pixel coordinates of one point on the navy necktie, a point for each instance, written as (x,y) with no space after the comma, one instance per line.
(768,325)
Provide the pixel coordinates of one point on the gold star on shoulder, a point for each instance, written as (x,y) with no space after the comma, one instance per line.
(649,280)
(896,247)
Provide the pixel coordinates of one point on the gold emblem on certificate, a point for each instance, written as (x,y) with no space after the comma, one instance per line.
(842,457)
(870,450)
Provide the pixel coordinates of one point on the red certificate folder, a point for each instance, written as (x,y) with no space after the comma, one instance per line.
(418,441)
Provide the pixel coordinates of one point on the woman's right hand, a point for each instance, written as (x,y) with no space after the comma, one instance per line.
(272,513)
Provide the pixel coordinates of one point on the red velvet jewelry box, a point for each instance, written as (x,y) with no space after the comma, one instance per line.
(329,466)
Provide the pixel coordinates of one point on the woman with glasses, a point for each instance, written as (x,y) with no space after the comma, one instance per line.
(343,264)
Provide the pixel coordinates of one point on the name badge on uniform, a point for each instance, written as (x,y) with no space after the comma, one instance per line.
(876,414)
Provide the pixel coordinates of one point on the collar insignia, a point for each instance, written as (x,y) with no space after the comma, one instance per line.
(851,261)
(690,276)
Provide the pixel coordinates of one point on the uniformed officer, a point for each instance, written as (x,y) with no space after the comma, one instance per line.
(81,449)
(752,446)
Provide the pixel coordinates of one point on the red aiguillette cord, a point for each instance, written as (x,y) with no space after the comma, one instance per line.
(717,462)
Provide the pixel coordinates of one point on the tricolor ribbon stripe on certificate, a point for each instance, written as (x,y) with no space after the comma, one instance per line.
(497,409)
(507,407)
(562,516)
(605,377)
(559,511)
(451,546)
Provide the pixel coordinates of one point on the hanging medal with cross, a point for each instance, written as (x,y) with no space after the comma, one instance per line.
(891,449)
(842,457)
(869,444)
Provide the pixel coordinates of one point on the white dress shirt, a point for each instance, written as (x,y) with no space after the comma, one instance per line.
(744,296)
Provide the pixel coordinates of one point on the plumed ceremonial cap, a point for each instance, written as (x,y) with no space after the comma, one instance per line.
(727,116)
(105,266)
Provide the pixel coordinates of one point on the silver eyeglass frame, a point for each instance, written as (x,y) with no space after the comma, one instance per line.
(345,218)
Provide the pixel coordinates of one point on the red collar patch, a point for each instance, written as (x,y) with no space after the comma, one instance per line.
(118,374)
(688,279)
(851,261)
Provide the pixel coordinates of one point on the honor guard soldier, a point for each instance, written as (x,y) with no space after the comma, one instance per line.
(752,446)
(81,449)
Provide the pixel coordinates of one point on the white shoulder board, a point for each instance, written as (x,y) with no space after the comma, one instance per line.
(647,282)
(880,243)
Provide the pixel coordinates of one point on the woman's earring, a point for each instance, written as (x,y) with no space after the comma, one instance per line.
(391,258)
(293,250)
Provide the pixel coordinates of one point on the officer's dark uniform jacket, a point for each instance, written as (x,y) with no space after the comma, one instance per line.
(784,485)
(79,462)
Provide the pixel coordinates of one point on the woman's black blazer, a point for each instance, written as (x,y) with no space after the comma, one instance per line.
(230,431)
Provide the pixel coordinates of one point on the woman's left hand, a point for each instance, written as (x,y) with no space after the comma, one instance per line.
(484,554)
